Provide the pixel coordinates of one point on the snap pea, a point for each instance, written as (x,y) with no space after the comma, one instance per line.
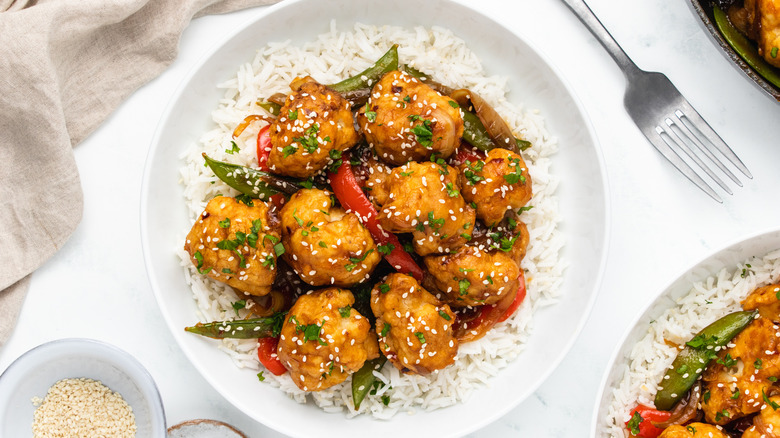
(251,182)
(698,352)
(744,48)
(475,134)
(268,327)
(364,379)
(387,63)
(271,107)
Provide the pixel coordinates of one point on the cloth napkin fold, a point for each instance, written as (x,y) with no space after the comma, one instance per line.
(65,65)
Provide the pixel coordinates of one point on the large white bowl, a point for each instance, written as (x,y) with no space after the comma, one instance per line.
(757,245)
(582,192)
(34,372)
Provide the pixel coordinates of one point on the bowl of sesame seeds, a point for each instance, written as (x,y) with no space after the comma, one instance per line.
(79,387)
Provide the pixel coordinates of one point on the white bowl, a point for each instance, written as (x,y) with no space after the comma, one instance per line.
(34,372)
(728,257)
(533,81)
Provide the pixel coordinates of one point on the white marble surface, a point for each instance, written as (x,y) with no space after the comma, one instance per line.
(96,285)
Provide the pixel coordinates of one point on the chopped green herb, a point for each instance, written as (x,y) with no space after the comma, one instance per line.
(691,429)
(463,286)
(245,199)
(355,260)
(773,53)
(735,395)
(758,364)
(706,396)
(233,149)
(453,104)
(238,305)
(279,249)
(385,330)
(727,361)
(226,271)
(309,140)
(444,315)
(771,403)
(370,115)
(722,414)
(293,115)
(260,376)
(451,191)
(420,337)
(424,133)
(345,311)
(386,249)
(322,244)
(384,288)
(289,150)
(199,258)
(634,422)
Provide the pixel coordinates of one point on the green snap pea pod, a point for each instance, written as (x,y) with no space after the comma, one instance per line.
(364,379)
(698,352)
(744,48)
(387,63)
(271,107)
(239,329)
(251,182)
(475,134)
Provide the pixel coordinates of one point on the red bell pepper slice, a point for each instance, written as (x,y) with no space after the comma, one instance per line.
(351,197)
(266,353)
(263,147)
(519,297)
(642,419)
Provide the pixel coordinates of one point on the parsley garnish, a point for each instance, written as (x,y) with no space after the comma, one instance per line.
(385,330)
(233,149)
(722,414)
(238,305)
(245,199)
(453,104)
(735,395)
(309,140)
(517,176)
(451,192)
(727,361)
(199,258)
(386,249)
(345,311)
(260,376)
(424,133)
(384,288)
(310,332)
(470,172)
(289,150)
(293,115)
(370,115)
(758,364)
(356,260)
(634,422)
(463,286)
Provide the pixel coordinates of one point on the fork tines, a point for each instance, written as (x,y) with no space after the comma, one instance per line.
(685,130)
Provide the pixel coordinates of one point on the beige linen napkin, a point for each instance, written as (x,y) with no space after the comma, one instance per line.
(65,65)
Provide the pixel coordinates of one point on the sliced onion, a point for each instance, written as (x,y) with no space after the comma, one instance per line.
(248,121)
(496,127)
(267,305)
(685,410)
(278,98)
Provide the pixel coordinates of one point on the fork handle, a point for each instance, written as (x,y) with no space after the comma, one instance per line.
(588,18)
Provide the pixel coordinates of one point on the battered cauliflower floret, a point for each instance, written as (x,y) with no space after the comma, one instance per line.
(497,184)
(765,300)
(234,243)
(424,199)
(473,277)
(738,380)
(324,339)
(415,328)
(323,244)
(314,126)
(766,421)
(405,120)
(693,430)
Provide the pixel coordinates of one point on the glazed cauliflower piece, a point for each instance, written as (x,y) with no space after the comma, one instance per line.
(424,199)
(406,120)
(234,243)
(499,183)
(693,430)
(323,244)
(315,124)
(472,276)
(324,340)
(414,327)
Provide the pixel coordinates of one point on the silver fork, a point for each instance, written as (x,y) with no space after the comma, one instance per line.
(664,116)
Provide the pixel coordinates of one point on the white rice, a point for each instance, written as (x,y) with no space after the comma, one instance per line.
(707,301)
(333,56)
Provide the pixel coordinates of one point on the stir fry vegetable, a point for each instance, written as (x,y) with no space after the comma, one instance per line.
(363,380)
(387,63)
(240,328)
(698,352)
(744,47)
(642,419)
(351,197)
(251,182)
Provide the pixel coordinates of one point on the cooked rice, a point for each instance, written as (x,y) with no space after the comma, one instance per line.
(707,301)
(332,57)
